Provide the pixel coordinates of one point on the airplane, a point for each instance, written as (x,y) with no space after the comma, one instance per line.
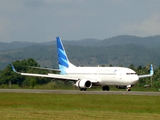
(86,77)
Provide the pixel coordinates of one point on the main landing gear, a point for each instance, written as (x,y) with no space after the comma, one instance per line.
(105,88)
(82,89)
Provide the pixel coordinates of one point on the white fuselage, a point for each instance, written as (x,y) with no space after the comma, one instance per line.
(104,75)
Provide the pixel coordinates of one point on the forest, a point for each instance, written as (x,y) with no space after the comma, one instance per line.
(8,78)
(119,50)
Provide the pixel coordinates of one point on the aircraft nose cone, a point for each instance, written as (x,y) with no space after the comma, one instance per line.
(135,79)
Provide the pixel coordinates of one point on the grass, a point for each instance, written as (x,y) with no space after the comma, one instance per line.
(37,106)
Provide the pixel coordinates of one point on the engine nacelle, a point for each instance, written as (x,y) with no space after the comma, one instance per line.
(83,84)
(121,87)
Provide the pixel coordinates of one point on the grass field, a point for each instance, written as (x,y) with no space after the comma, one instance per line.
(37,106)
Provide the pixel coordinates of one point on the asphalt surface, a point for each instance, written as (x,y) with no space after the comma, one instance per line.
(80,92)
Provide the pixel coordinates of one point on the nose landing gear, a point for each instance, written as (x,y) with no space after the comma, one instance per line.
(128,87)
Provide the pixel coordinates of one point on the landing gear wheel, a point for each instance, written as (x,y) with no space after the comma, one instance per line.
(129,89)
(105,88)
(82,89)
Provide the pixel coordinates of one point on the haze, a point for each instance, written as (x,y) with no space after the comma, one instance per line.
(43,20)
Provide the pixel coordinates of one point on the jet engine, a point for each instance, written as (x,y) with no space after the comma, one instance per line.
(121,87)
(83,84)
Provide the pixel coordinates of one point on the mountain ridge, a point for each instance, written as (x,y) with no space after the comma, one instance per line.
(151,41)
(118,50)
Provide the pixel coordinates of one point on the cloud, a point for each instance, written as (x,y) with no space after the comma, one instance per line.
(10,6)
(62,1)
(5,24)
(148,27)
(42,20)
(33,3)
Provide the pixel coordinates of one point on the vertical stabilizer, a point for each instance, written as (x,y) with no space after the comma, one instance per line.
(62,57)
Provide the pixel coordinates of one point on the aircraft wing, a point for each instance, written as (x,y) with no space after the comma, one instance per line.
(149,75)
(51,69)
(52,76)
(56,76)
(143,76)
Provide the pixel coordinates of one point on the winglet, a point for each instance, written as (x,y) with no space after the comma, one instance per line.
(150,74)
(151,70)
(14,70)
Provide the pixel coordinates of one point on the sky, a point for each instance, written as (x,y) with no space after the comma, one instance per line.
(43,20)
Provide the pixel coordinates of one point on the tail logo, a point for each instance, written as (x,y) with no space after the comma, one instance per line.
(62,56)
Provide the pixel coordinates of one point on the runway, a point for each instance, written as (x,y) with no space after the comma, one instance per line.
(80,92)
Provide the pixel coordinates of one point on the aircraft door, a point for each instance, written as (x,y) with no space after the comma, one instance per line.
(118,74)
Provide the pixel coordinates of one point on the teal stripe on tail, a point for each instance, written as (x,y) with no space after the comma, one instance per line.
(62,56)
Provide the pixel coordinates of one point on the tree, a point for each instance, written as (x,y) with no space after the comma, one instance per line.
(33,82)
(7,76)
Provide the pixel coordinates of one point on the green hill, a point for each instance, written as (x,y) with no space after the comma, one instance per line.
(119,50)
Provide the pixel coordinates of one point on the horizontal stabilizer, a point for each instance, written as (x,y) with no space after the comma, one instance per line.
(51,69)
